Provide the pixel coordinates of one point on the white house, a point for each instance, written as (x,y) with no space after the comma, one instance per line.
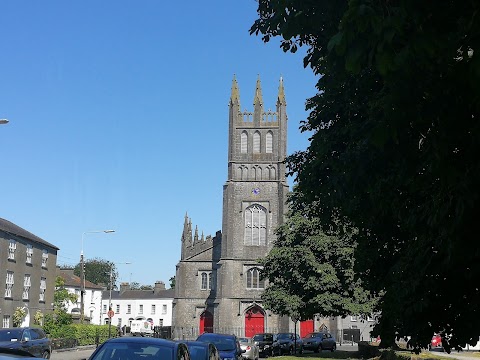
(92,297)
(128,305)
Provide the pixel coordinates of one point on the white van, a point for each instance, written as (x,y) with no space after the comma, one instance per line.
(141,328)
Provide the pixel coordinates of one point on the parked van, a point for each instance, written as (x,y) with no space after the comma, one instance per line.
(141,328)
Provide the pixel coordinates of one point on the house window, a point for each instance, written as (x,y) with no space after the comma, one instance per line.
(140,309)
(244,142)
(12,246)
(29,254)
(6,321)
(253,279)
(164,309)
(119,324)
(44,258)
(204,281)
(353,318)
(153,309)
(160,322)
(117,309)
(255,225)
(43,287)
(26,286)
(256,142)
(129,309)
(105,308)
(370,318)
(269,142)
(9,284)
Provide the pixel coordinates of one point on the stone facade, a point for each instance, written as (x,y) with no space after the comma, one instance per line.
(217,284)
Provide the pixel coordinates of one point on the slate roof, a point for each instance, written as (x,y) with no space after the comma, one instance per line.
(11,228)
(72,280)
(140,294)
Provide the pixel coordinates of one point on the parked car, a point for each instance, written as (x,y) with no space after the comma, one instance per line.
(31,340)
(140,348)
(15,354)
(287,343)
(318,341)
(202,351)
(228,345)
(251,349)
(436,343)
(264,341)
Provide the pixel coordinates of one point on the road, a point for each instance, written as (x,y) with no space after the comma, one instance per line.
(72,355)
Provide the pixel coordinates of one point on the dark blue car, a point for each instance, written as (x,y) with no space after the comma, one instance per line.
(227,345)
(202,351)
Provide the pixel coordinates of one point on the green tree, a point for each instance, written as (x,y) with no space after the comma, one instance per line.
(319,278)
(394,150)
(136,286)
(172,282)
(59,317)
(97,271)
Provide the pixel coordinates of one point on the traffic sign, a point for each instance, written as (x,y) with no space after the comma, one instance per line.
(110,314)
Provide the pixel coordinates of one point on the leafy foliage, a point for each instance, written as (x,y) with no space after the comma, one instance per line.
(97,271)
(319,278)
(394,150)
(18,316)
(61,296)
(136,286)
(172,282)
(57,319)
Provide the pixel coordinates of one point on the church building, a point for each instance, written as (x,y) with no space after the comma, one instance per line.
(218,287)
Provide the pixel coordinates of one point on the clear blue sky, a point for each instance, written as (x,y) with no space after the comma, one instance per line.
(118,120)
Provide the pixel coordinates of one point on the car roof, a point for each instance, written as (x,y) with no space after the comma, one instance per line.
(196,343)
(146,340)
(215,335)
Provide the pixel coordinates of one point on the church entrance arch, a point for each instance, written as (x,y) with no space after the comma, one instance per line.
(254,321)
(206,322)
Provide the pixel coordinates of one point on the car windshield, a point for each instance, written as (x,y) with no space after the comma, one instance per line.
(284,336)
(10,335)
(263,337)
(244,340)
(222,343)
(133,351)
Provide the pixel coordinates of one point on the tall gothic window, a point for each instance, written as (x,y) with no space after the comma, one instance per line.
(269,142)
(244,142)
(255,225)
(253,279)
(256,142)
(206,280)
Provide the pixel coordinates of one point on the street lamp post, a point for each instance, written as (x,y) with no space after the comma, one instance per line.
(82,271)
(110,297)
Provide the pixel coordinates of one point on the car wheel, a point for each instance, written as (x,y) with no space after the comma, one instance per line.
(46,355)
(334,347)
(301,349)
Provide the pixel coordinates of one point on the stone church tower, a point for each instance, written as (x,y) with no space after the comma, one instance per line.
(218,287)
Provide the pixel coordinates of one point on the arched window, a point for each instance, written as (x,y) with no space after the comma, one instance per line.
(204,281)
(255,225)
(256,142)
(210,281)
(253,279)
(269,142)
(244,142)
(273,173)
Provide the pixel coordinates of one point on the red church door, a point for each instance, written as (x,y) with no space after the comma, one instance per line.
(206,322)
(306,327)
(254,321)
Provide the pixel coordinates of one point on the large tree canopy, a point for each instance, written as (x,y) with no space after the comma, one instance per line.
(395,149)
(98,270)
(311,273)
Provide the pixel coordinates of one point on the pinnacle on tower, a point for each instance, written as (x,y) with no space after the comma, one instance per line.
(187,230)
(258,98)
(195,238)
(235,96)
(281,92)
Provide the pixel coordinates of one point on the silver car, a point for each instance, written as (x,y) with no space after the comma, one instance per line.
(251,350)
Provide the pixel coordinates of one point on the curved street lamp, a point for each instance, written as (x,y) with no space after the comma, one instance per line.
(4,121)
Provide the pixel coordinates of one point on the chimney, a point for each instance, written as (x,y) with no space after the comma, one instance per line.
(159,286)
(124,287)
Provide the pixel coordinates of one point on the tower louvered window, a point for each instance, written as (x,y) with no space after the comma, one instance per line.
(244,142)
(255,225)
(269,142)
(256,142)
